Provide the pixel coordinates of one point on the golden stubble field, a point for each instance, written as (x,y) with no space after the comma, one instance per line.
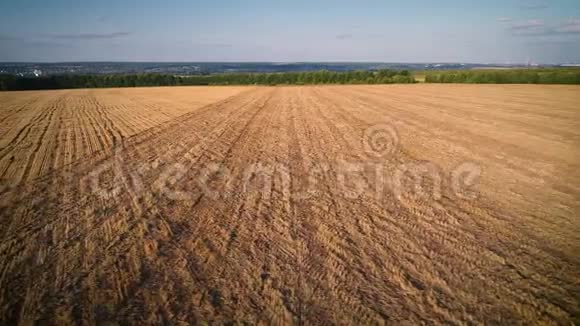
(316,204)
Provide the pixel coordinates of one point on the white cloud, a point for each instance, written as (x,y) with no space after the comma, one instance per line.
(343,36)
(504,19)
(88,36)
(527,25)
(537,27)
(533,5)
(571,26)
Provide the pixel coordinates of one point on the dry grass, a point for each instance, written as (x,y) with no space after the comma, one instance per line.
(163,249)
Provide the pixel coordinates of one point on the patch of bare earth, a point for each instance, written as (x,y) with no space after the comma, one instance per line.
(275,205)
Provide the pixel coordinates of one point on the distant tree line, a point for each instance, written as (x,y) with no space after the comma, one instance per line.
(507,76)
(304,78)
(11,82)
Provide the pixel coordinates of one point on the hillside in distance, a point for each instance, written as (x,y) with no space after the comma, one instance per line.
(196,68)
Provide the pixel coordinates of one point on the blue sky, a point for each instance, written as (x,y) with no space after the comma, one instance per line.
(318,30)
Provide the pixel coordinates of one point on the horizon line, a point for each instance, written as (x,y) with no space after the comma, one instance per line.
(293,62)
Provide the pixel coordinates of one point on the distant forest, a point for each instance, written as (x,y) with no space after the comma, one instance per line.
(506,76)
(385,76)
(11,82)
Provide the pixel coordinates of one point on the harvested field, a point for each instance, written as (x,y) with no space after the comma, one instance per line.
(322,204)
(48,130)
